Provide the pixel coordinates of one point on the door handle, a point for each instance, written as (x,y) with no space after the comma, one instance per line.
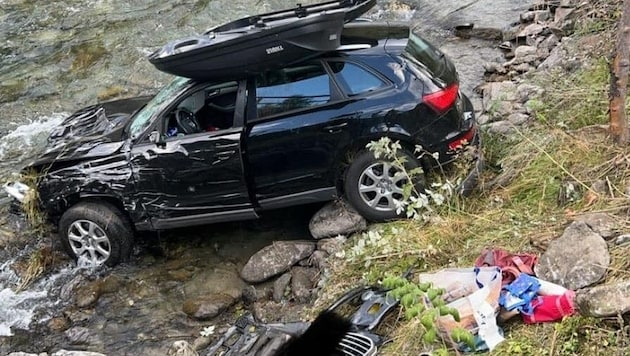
(336,127)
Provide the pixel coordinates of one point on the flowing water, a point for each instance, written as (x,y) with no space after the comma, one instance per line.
(57,56)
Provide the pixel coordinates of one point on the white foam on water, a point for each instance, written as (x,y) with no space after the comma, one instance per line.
(17,310)
(32,134)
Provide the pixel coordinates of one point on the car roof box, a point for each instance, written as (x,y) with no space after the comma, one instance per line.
(260,42)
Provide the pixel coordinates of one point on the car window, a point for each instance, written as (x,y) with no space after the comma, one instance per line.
(292,88)
(143,118)
(355,79)
(207,108)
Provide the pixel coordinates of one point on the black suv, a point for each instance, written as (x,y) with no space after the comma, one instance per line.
(201,152)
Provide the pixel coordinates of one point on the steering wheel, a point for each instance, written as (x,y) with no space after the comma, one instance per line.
(187,121)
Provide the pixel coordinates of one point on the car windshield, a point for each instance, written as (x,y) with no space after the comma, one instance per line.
(143,118)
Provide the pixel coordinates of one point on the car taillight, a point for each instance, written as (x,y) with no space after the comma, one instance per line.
(442,100)
(463,140)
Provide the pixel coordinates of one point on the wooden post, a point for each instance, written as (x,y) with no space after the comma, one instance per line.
(619,79)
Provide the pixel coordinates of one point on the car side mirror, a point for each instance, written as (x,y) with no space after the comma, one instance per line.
(157,138)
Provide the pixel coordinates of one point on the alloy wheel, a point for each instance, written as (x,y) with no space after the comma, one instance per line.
(89,241)
(381,186)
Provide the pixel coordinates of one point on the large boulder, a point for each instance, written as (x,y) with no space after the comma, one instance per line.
(576,259)
(605,300)
(336,218)
(274,259)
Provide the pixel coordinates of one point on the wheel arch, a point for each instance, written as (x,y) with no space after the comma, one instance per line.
(359,145)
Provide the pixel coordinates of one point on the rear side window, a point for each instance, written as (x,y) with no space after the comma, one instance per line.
(292,88)
(422,53)
(355,79)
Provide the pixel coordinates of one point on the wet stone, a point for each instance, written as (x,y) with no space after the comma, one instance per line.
(302,283)
(336,218)
(58,324)
(275,259)
(207,307)
(605,300)
(79,335)
(87,295)
(280,287)
(20,353)
(224,279)
(576,259)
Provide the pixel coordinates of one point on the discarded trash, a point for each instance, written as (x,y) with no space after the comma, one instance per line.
(512,265)
(548,308)
(520,294)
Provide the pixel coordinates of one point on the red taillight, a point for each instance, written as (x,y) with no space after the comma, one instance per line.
(462,141)
(442,100)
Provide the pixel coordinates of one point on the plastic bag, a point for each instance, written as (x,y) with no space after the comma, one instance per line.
(475,294)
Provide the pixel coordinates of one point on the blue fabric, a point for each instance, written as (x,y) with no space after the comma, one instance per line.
(520,294)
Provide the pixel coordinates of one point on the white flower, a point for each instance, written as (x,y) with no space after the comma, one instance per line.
(207,331)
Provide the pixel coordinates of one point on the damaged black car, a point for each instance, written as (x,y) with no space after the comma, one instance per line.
(207,151)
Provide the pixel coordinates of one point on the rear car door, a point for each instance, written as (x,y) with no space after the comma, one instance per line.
(300,120)
(194,178)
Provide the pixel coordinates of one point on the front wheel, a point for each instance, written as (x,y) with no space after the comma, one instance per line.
(375,187)
(96,232)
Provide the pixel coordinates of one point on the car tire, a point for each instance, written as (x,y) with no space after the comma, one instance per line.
(97,231)
(374,194)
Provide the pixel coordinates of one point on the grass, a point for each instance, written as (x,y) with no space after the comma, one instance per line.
(519,209)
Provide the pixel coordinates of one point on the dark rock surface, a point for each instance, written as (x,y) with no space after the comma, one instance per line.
(336,218)
(576,259)
(275,259)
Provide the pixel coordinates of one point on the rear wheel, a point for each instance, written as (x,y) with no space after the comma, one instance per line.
(375,187)
(96,232)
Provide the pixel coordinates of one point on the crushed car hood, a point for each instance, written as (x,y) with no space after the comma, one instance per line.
(94,131)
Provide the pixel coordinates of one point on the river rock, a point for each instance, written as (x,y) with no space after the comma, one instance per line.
(181,348)
(280,286)
(209,306)
(79,335)
(527,92)
(224,279)
(275,259)
(319,259)
(518,118)
(500,127)
(576,259)
(605,300)
(549,43)
(524,54)
(20,353)
(336,218)
(87,295)
(303,282)
(331,246)
(601,223)
(554,60)
(59,323)
(531,30)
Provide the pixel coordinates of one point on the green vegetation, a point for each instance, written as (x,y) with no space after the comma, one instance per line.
(519,208)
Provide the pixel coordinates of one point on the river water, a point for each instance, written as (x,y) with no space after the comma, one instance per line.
(57,56)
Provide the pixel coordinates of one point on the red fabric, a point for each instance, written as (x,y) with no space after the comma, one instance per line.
(511,264)
(551,308)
